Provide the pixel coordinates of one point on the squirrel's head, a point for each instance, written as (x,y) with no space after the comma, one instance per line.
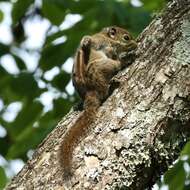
(119,35)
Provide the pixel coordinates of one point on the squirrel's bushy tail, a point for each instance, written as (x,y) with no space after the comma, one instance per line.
(78,131)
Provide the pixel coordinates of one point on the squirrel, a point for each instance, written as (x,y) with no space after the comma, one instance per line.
(98,58)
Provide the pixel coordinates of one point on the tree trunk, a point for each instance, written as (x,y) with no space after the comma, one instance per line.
(140,129)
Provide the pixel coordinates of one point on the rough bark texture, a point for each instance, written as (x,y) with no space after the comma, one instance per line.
(142,126)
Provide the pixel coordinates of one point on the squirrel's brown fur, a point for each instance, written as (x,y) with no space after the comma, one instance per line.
(98,59)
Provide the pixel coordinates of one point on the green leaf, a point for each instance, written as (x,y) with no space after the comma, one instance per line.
(52,56)
(53,37)
(175,177)
(5,143)
(3,178)
(61,106)
(47,122)
(27,139)
(6,93)
(15,88)
(30,137)
(56,55)
(4,49)
(186,149)
(154,5)
(1,16)
(61,80)
(3,72)
(19,62)
(26,117)
(55,11)
(19,9)
(24,84)
(81,7)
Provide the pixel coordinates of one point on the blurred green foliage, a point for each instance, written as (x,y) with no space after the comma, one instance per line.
(3,178)
(178,177)
(34,121)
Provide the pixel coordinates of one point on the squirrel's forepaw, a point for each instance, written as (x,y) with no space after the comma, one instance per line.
(85,42)
(127,57)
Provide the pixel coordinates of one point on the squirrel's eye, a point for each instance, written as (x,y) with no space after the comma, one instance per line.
(112,32)
(126,37)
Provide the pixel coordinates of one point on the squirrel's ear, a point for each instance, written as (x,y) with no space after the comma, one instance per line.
(112,32)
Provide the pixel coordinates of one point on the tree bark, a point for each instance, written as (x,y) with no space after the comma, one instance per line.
(140,129)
